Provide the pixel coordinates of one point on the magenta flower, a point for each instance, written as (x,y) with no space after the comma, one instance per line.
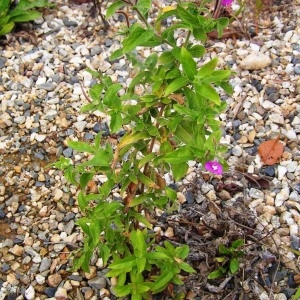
(214,167)
(226,2)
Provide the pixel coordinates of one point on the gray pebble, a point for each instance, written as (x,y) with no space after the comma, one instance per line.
(68,152)
(297,69)
(48,86)
(97,282)
(45,264)
(96,50)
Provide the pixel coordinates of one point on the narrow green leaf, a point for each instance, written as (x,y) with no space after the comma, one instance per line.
(115,122)
(7,28)
(96,91)
(162,281)
(176,85)
(188,64)
(234,265)
(82,202)
(208,68)
(111,98)
(81,146)
(186,267)
(25,16)
(138,242)
(215,274)
(223,249)
(122,291)
(170,193)
(85,178)
(136,38)
(125,263)
(146,159)
(237,243)
(207,91)
(111,10)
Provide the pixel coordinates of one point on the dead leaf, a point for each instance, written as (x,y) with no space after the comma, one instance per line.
(270,151)
(178,98)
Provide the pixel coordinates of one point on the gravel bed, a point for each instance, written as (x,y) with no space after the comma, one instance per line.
(41,81)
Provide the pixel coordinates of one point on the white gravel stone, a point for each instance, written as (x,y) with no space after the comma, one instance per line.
(30,293)
(281,171)
(255,61)
(282,196)
(237,150)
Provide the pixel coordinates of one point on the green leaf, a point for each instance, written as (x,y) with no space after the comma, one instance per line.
(111,98)
(182,251)
(141,219)
(151,61)
(197,51)
(122,291)
(216,274)
(136,38)
(183,134)
(85,178)
(104,253)
(96,91)
(188,64)
(140,263)
(186,267)
(101,159)
(207,91)
(180,155)
(208,68)
(146,159)
(234,265)
(82,202)
(20,16)
(116,54)
(217,76)
(125,263)
(176,85)
(179,170)
(138,242)
(115,122)
(166,58)
(143,6)
(162,281)
(81,146)
(187,17)
(153,131)
(237,243)
(226,87)
(199,34)
(224,250)
(7,28)
(4,5)
(170,193)
(116,5)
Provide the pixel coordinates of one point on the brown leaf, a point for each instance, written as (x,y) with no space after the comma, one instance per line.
(270,151)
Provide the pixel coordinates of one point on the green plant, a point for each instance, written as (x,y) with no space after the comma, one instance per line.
(170,121)
(228,259)
(23,11)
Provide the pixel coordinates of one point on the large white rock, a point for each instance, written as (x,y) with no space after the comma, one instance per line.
(255,61)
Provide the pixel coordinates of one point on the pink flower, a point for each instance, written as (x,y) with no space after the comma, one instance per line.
(226,2)
(214,167)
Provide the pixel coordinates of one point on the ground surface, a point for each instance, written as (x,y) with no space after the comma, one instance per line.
(42,69)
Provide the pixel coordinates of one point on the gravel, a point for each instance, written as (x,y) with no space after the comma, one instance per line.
(40,99)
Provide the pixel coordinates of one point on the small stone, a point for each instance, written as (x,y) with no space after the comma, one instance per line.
(255,61)
(50,291)
(282,196)
(54,280)
(281,171)
(45,264)
(40,279)
(256,194)
(61,294)
(30,293)
(169,232)
(97,282)
(237,150)
(80,126)
(57,194)
(48,86)
(17,250)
